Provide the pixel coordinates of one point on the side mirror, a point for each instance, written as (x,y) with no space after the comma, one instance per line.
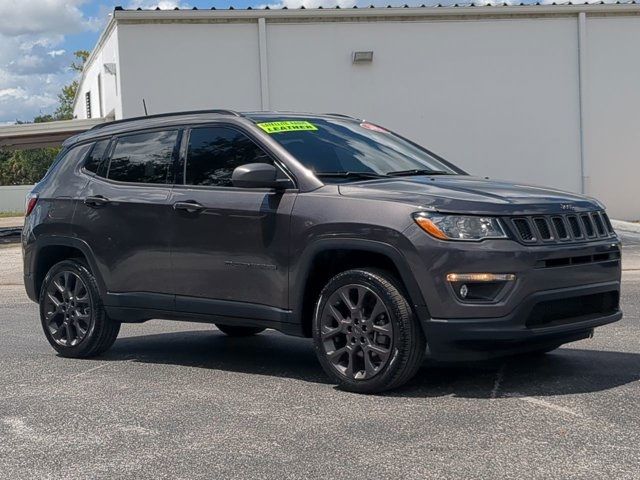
(257,175)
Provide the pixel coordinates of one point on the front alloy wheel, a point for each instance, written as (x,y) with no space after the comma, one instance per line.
(356,332)
(366,336)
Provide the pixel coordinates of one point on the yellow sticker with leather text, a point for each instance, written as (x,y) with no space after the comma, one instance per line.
(287,126)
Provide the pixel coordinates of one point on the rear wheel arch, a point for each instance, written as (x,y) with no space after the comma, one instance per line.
(325,259)
(51,250)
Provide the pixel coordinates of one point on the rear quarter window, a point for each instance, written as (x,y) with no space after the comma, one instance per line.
(97,160)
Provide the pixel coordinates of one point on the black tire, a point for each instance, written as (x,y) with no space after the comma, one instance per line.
(83,312)
(395,332)
(237,331)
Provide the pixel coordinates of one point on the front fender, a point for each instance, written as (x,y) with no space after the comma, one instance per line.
(301,270)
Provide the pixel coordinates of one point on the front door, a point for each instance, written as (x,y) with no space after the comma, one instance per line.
(229,244)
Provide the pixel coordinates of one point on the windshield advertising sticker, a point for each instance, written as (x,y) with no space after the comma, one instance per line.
(287,126)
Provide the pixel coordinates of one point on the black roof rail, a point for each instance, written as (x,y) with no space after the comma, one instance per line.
(169,114)
(341,115)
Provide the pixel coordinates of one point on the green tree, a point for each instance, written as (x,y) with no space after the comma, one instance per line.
(24,167)
(81,55)
(65,102)
(68,93)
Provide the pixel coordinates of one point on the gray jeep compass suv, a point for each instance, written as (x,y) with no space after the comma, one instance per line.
(320,226)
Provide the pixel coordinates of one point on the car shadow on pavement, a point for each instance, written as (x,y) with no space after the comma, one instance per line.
(268,353)
(563,372)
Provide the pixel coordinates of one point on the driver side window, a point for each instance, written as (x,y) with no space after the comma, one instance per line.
(214,152)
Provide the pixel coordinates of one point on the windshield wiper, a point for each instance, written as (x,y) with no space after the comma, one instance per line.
(350,174)
(417,171)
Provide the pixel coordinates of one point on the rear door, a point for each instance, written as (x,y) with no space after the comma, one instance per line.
(125,214)
(234,244)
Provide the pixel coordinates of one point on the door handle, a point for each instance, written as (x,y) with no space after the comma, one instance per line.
(189,206)
(96,201)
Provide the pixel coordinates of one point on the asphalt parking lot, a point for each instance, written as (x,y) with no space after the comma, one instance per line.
(180,400)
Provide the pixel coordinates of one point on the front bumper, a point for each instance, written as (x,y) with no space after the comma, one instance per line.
(560,294)
(514,333)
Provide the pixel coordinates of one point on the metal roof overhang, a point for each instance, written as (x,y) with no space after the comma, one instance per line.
(390,12)
(38,135)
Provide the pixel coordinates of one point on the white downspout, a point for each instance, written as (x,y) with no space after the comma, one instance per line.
(264,69)
(582,94)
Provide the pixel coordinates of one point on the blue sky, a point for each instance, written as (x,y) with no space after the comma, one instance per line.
(38,38)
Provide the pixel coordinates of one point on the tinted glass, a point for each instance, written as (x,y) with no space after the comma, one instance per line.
(96,161)
(143,158)
(215,152)
(338,146)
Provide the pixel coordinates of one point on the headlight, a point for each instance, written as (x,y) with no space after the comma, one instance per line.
(459,227)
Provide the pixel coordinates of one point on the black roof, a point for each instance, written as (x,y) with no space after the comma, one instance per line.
(178,118)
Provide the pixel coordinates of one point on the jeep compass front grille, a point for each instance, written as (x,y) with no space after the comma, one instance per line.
(599,225)
(588,224)
(543,228)
(575,226)
(561,228)
(524,229)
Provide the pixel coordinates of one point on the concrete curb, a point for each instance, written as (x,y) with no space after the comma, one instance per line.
(11,222)
(626,226)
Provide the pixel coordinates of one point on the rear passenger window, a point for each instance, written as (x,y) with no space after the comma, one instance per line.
(214,153)
(144,157)
(96,162)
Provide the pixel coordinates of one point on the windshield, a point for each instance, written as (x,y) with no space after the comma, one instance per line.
(341,150)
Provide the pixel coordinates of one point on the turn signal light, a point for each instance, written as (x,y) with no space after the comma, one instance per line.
(431,228)
(480,287)
(481,277)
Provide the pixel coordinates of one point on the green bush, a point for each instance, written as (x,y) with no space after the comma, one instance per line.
(25,167)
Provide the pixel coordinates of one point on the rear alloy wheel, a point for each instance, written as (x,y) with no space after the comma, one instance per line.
(365,334)
(67,309)
(236,331)
(71,312)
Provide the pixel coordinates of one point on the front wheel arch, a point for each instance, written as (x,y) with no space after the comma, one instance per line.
(328,257)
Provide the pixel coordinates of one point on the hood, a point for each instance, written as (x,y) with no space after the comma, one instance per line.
(474,195)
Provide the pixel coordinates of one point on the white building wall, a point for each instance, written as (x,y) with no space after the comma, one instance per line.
(613,113)
(105,94)
(13,197)
(189,67)
(496,97)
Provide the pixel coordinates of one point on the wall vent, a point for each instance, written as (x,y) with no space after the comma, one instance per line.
(362,57)
(87,101)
